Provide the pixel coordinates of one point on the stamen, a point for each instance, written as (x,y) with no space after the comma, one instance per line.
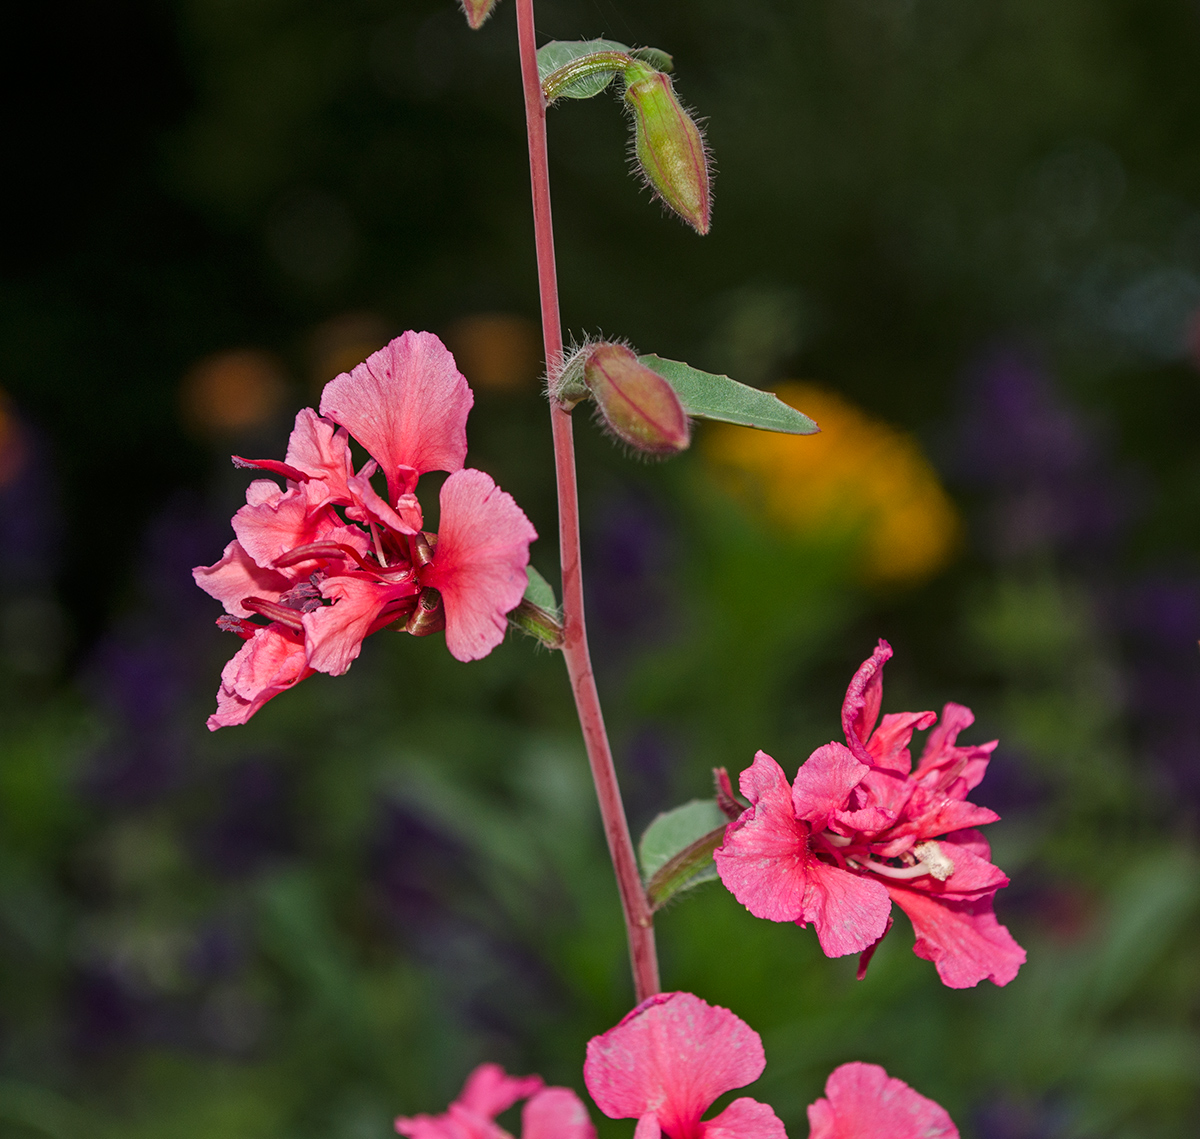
(379,554)
(274,612)
(836,839)
(324,551)
(895,871)
(940,864)
(934,862)
(244,629)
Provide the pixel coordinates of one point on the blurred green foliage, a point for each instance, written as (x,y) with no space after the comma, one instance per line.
(309,925)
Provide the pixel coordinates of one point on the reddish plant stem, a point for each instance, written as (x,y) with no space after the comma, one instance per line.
(639,919)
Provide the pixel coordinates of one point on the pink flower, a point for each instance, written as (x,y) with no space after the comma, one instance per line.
(666,1063)
(859,829)
(550,1113)
(864,1102)
(326,560)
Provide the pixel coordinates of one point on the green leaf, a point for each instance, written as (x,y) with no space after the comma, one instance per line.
(659,60)
(540,592)
(676,850)
(558,53)
(709,396)
(538,613)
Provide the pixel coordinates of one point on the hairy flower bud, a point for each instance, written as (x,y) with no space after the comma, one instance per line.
(477,11)
(637,404)
(669,146)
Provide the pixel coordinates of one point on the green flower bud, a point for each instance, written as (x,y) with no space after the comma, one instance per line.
(477,11)
(637,404)
(669,146)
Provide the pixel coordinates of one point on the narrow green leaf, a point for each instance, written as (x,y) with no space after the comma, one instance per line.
(540,592)
(676,850)
(708,396)
(538,613)
(558,53)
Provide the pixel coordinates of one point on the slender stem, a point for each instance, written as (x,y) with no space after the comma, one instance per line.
(639,920)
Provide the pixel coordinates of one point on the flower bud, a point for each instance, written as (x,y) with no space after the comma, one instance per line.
(637,404)
(670,148)
(429,616)
(477,11)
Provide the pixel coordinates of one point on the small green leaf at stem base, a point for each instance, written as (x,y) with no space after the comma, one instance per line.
(538,613)
(676,850)
(708,396)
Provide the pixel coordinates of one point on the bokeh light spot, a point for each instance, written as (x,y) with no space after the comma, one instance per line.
(496,351)
(232,391)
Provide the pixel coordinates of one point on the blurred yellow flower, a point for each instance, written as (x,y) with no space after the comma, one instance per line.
(859,476)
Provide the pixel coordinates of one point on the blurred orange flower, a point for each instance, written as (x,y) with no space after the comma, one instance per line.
(859,476)
(12,442)
(232,391)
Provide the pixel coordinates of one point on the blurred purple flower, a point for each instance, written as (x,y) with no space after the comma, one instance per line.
(1007,1118)
(253,823)
(438,905)
(1046,471)
(1160,616)
(1009,788)
(146,673)
(629,558)
(650,757)
(102,1011)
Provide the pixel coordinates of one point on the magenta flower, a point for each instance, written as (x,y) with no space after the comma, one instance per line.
(668,1060)
(859,829)
(863,1102)
(327,560)
(550,1113)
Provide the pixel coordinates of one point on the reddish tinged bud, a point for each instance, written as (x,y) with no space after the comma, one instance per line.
(637,404)
(670,148)
(477,11)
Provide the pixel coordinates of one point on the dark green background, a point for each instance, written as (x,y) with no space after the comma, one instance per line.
(308,925)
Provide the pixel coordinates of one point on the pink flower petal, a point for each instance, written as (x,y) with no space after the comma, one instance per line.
(889,742)
(456,1123)
(745,1118)
(824,782)
(333,634)
(860,709)
(764,857)
(848,911)
(322,451)
(863,1102)
(961,936)
(237,575)
(479,562)
(270,662)
(369,507)
(556,1113)
(671,1057)
(273,521)
(407,404)
(647,1128)
(944,764)
(489,1090)
(928,816)
(972,874)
